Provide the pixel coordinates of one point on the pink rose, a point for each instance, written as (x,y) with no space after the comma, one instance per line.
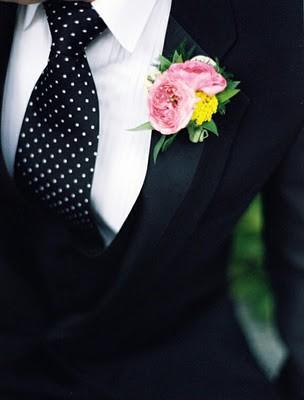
(171,104)
(199,76)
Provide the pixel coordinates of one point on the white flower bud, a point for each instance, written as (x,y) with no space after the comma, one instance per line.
(204,59)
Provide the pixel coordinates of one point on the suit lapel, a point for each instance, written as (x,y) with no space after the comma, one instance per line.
(168,181)
(187,173)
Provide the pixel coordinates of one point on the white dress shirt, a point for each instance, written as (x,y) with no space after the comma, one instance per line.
(120,60)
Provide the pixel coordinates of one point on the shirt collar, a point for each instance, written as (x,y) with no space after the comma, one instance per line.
(126,19)
(30,13)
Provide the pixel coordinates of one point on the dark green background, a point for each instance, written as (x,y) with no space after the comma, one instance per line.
(247,276)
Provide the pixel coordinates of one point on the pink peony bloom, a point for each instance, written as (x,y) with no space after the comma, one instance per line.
(171,103)
(199,76)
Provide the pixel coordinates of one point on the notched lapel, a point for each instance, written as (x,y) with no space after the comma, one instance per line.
(169,179)
(186,173)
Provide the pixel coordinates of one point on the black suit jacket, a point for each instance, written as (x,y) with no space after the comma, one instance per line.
(149,318)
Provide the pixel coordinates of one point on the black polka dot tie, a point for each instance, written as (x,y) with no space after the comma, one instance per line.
(58,142)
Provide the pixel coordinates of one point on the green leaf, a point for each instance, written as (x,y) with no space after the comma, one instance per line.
(222,108)
(211,127)
(168,142)
(165,63)
(184,52)
(182,49)
(143,127)
(158,147)
(233,84)
(227,95)
(177,58)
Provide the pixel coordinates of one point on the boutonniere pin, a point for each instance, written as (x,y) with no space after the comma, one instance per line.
(186,93)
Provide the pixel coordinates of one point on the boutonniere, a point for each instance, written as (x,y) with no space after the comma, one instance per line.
(187,93)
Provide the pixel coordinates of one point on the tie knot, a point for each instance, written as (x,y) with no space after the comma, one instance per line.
(73,25)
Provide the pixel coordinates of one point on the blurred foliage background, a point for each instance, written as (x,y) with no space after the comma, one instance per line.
(249,283)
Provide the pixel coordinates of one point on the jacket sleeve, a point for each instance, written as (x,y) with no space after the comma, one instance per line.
(283,204)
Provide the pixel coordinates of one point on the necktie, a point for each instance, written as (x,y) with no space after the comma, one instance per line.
(57,145)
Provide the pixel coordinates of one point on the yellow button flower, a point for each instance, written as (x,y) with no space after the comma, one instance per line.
(205,108)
